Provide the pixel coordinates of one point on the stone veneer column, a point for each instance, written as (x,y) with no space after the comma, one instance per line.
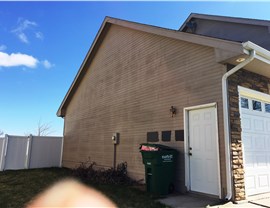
(252,81)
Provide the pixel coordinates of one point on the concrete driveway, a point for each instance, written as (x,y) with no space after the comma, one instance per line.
(262,200)
(189,200)
(192,200)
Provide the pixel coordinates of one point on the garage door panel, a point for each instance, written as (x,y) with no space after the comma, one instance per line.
(259,142)
(255,126)
(258,124)
(268,143)
(249,161)
(246,123)
(250,182)
(261,161)
(267,125)
(247,141)
(253,142)
(263,180)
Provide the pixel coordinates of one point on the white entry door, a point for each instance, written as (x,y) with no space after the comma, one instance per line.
(203,151)
(255,123)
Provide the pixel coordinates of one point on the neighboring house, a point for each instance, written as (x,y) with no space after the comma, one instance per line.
(214,71)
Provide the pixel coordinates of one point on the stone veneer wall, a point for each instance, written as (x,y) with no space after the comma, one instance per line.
(252,81)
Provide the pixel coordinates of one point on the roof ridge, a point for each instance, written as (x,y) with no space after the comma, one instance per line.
(145,24)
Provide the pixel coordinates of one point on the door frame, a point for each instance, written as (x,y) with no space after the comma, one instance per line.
(186,142)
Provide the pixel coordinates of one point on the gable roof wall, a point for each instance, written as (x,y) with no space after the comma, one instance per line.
(234,47)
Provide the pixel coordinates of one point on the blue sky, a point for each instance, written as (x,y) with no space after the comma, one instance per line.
(43,44)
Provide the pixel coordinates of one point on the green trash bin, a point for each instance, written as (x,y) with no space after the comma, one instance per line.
(159,161)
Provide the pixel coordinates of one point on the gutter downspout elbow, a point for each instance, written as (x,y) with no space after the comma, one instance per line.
(227,122)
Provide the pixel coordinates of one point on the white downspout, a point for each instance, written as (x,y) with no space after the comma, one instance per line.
(226,120)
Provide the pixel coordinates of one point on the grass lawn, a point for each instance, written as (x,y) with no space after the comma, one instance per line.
(20,186)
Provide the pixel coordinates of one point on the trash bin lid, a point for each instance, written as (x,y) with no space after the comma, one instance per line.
(154,147)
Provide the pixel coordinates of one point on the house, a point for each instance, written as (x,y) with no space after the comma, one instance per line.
(214,71)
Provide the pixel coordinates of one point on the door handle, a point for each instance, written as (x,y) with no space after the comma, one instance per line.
(190,154)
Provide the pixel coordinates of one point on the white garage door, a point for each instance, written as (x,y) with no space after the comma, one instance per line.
(255,123)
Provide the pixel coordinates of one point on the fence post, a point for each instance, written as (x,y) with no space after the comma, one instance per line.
(61,155)
(4,154)
(28,151)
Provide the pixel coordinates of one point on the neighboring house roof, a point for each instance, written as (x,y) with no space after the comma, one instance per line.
(239,20)
(219,44)
(229,28)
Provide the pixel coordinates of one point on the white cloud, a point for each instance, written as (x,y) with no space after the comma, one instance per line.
(47,64)
(3,47)
(23,38)
(39,35)
(17,59)
(23,26)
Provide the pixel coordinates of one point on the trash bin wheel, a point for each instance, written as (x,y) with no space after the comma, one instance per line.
(171,188)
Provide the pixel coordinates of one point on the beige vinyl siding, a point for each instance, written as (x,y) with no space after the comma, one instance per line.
(133,80)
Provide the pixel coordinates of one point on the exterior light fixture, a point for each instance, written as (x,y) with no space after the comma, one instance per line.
(239,60)
(173,110)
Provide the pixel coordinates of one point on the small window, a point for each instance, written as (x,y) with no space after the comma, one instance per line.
(179,135)
(244,103)
(166,136)
(256,105)
(152,136)
(267,108)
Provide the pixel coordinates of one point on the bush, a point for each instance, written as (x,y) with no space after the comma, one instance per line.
(88,172)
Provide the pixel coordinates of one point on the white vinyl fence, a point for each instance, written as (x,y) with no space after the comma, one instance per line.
(25,152)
